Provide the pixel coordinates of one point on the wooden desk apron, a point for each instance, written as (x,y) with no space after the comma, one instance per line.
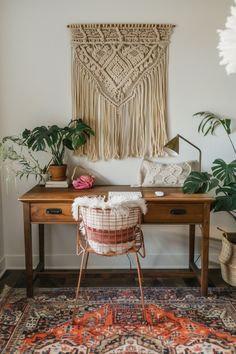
(53,206)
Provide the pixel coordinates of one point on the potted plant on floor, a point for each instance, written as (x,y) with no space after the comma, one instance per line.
(222,178)
(222,181)
(55,140)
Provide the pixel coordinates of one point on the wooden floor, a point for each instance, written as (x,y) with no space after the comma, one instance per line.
(119,278)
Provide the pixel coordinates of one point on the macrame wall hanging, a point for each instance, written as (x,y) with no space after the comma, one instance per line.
(119,87)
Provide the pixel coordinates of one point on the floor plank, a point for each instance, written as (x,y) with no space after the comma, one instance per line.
(120,278)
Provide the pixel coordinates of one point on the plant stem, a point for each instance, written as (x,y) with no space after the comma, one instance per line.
(231,142)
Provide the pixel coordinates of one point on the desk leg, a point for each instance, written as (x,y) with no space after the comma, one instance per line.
(28,250)
(41,246)
(205,250)
(191,244)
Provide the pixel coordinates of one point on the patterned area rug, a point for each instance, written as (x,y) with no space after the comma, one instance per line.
(110,320)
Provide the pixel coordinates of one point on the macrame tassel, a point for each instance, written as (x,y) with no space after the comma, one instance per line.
(85,106)
(143,126)
(136,129)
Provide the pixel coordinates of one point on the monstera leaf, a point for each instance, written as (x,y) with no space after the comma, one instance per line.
(223,177)
(199,182)
(225,203)
(38,138)
(211,121)
(54,139)
(223,171)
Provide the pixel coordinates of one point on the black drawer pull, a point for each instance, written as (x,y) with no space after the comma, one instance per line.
(178,211)
(53,211)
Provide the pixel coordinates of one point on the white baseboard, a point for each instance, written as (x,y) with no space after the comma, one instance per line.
(71,261)
(2,266)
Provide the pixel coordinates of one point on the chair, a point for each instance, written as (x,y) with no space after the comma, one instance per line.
(108,229)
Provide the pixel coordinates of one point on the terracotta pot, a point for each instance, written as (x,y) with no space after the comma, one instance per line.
(57,173)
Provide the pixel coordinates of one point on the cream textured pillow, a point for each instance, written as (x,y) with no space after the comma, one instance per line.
(156,174)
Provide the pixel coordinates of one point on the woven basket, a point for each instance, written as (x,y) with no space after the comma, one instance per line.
(108,233)
(227,258)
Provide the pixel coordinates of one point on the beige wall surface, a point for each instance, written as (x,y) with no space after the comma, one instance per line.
(2,258)
(35,67)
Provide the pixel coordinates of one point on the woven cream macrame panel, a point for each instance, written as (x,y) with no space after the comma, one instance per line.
(119,87)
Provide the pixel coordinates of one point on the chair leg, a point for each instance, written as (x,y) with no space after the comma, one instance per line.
(86,261)
(140,284)
(141,273)
(78,284)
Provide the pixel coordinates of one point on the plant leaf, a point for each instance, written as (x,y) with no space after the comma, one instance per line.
(199,182)
(229,189)
(223,171)
(225,203)
(211,121)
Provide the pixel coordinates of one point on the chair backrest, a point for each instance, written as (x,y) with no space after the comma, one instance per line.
(111,231)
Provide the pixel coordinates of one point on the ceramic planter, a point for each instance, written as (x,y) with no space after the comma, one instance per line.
(57,173)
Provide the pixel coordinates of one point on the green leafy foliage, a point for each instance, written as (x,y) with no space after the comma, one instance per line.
(55,139)
(224,172)
(18,152)
(7,153)
(17,159)
(199,182)
(222,179)
(211,121)
(225,202)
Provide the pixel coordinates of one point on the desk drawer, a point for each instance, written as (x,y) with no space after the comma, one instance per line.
(51,212)
(174,213)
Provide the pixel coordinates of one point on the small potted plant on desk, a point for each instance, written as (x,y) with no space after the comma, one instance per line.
(222,181)
(55,140)
(17,153)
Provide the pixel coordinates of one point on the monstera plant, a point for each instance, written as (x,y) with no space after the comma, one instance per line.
(222,177)
(54,140)
(19,153)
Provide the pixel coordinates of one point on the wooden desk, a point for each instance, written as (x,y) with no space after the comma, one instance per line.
(53,206)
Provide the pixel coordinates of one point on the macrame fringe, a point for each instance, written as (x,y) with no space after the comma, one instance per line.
(135,129)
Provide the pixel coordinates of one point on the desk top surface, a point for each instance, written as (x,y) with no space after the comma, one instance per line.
(42,194)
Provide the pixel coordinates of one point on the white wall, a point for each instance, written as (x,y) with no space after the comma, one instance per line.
(35,89)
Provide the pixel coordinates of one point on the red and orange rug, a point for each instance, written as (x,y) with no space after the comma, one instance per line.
(110,320)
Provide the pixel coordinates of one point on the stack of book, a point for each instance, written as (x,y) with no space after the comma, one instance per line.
(57,184)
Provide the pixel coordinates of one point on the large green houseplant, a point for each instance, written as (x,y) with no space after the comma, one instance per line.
(222,177)
(50,139)
(55,140)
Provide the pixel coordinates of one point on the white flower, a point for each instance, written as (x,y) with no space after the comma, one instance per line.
(227,43)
